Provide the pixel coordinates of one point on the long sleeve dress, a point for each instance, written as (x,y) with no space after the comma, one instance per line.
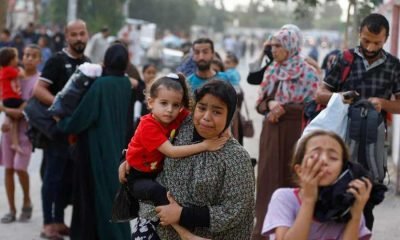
(222,180)
(101,122)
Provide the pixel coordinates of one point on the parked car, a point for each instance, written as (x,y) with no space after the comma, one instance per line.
(171,58)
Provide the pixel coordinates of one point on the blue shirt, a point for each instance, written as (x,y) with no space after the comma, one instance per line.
(233,76)
(196,82)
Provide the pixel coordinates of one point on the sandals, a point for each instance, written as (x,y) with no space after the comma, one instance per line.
(26,214)
(51,237)
(8,218)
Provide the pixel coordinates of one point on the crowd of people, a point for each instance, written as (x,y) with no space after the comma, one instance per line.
(185,168)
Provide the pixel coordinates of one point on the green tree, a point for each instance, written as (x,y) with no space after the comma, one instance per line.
(98,13)
(304,16)
(353,20)
(329,17)
(167,14)
(3,13)
(56,12)
(210,16)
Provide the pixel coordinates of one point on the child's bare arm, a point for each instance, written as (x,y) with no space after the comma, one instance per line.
(14,113)
(172,151)
(15,86)
(123,171)
(21,72)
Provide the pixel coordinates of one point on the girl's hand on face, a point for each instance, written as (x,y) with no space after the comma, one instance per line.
(215,144)
(310,175)
(361,189)
(169,214)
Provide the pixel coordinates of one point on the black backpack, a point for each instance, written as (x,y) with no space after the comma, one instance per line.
(366,136)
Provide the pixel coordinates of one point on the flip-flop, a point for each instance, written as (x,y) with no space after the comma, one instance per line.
(26,214)
(51,237)
(8,218)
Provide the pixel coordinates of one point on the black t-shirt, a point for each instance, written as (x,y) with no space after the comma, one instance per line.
(58,69)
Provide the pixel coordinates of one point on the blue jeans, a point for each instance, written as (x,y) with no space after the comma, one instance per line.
(57,181)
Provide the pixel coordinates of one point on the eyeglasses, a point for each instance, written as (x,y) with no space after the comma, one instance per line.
(172,76)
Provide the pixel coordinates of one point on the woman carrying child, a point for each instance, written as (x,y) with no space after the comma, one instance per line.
(211,193)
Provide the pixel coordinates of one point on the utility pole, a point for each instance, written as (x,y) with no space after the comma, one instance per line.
(125,9)
(3,13)
(355,24)
(72,10)
(394,49)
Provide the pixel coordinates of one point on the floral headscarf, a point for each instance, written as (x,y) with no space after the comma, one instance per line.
(296,30)
(297,80)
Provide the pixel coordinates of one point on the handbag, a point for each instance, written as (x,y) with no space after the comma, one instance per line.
(247,123)
(125,206)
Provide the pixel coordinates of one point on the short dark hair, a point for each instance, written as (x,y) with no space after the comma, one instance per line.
(34,46)
(148,65)
(374,23)
(233,57)
(104,29)
(204,40)
(218,62)
(6,32)
(6,55)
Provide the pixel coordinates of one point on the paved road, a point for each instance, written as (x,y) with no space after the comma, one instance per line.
(387,215)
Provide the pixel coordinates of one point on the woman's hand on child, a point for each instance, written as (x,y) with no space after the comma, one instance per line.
(171,213)
(215,144)
(361,189)
(123,171)
(310,175)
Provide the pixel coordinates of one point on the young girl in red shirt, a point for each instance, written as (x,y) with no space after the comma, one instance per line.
(11,89)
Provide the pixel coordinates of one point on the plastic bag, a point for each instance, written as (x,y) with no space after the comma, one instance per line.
(125,206)
(333,118)
(66,101)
